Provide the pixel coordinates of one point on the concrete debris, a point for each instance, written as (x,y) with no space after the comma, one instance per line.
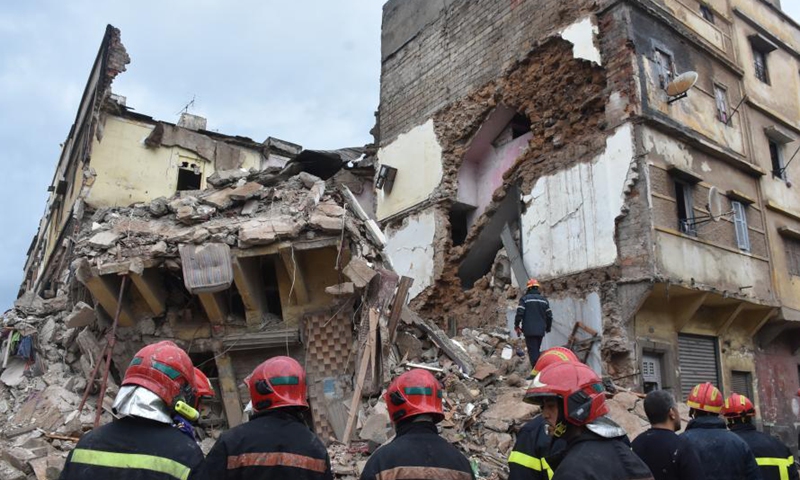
(342,289)
(104,240)
(359,272)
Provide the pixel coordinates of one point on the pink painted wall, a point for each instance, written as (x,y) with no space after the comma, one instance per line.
(777,377)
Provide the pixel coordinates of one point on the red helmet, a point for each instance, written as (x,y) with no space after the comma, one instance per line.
(738,406)
(706,397)
(413,393)
(576,386)
(552,356)
(533,283)
(203,385)
(164,369)
(279,382)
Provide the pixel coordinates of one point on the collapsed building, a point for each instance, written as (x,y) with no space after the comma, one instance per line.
(538,138)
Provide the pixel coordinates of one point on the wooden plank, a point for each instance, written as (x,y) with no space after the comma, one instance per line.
(105,293)
(374,316)
(215,306)
(437,336)
(398,304)
(686,308)
(274,248)
(296,277)
(151,286)
(230,393)
(517,265)
(249,281)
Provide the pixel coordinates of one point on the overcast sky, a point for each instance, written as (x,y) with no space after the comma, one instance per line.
(306,71)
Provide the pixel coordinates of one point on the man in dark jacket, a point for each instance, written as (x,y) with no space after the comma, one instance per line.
(414,401)
(143,444)
(527,459)
(534,319)
(723,455)
(573,404)
(668,455)
(275,443)
(773,457)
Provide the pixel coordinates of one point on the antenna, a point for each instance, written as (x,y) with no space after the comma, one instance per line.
(185,109)
(680,86)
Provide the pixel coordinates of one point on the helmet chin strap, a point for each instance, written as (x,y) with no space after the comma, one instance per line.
(560,429)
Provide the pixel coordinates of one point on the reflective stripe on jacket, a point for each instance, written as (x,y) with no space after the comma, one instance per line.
(527,459)
(135,449)
(774,459)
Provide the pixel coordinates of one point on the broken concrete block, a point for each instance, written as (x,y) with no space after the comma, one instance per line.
(8,472)
(158,207)
(159,249)
(484,371)
(268,231)
(359,272)
(377,428)
(89,346)
(408,346)
(19,458)
(250,207)
(47,331)
(221,178)
(307,179)
(14,373)
(341,289)
(509,406)
(104,240)
(330,209)
(326,223)
(246,192)
(189,215)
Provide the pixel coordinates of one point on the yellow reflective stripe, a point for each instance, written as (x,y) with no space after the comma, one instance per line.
(783,464)
(547,468)
(131,460)
(525,460)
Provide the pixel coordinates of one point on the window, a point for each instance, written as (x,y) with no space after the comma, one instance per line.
(793,255)
(776,156)
(651,372)
(684,197)
(740,220)
(760,63)
(189,177)
(721,97)
(707,14)
(666,71)
(459,223)
(742,383)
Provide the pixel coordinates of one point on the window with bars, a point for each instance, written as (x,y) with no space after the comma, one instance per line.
(760,64)
(793,255)
(666,70)
(740,221)
(776,157)
(721,97)
(742,383)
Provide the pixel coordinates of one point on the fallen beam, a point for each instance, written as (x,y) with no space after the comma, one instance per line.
(437,336)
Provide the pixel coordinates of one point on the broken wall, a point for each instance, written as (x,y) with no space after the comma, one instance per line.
(777,372)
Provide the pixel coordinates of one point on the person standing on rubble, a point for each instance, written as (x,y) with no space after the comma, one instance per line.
(527,459)
(275,443)
(414,401)
(572,398)
(773,457)
(143,444)
(667,454)
(723,454)
(534,319)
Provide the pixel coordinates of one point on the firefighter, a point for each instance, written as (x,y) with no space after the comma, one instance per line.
(527,459)
(572,398)
(205,390)
(723,454)
(772,456)
(414,401)
(275,443)
(143,444)
(534,319)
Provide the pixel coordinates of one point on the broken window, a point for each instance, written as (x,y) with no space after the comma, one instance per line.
(519,125)
(666,69)
(721,97)
(459,225)
(760,63)
(684,197)
(776,157)
(793,255)
(189,177)
(742,383)
(706,13)
(740,220)
(271,286)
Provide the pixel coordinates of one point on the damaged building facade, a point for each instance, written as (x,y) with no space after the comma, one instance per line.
(235,249)
(537,138)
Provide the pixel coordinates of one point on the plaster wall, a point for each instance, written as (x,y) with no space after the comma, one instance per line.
(775,23)
(129,172)
(570,309)
(411,249)
(582,35)
(569,225)
(319,268)
(688,12)
(417,156)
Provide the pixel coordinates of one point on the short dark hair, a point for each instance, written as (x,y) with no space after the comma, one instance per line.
(657,405)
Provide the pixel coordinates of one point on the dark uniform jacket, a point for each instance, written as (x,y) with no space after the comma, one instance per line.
(273,445)
(134,449)
(592,457)
(724,455)
(527,459)
(669,456)
(534,314)
(417,452)
(773,457)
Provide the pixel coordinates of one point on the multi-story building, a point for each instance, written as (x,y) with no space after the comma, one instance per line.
(666,223)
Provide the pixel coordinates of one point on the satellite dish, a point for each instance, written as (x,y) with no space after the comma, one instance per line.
(682,84)
(715,207)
